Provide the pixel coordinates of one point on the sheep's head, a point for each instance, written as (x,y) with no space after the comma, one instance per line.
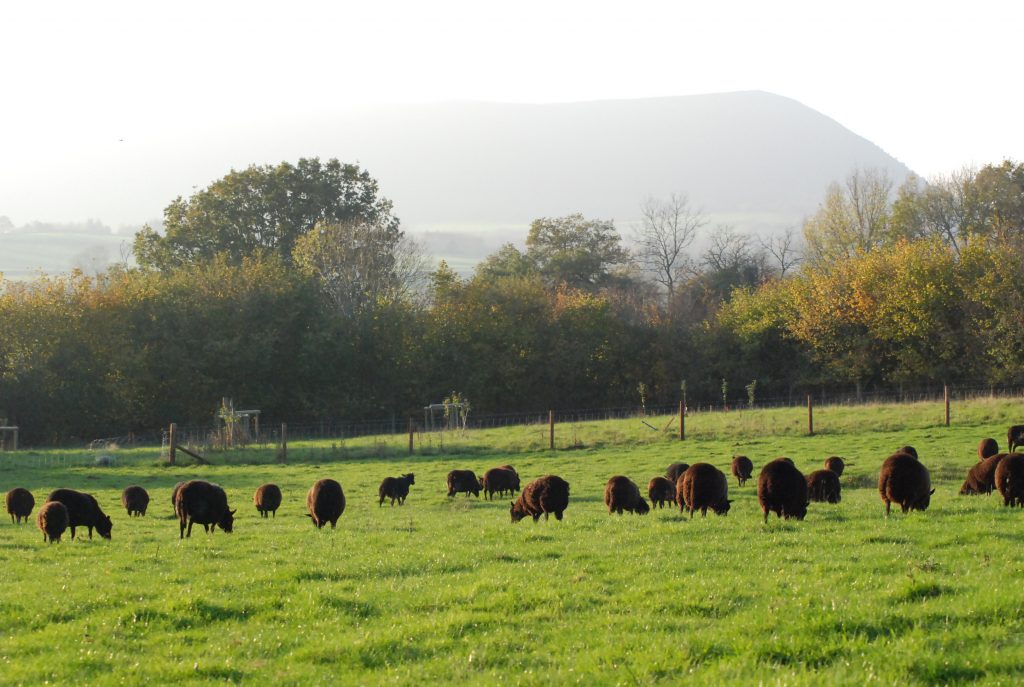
(517,512)
(722,507)
(228,521)
(642,508)
(104,525)
(411,478)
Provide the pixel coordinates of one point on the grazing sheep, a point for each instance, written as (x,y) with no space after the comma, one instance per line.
(622,494)
(174,496)
(910,451)
(463,481)
(203,502)
(20,503)
(267,499)
(395,488)
(987,448)
(135,500)
(52,519)
(981,478)
(675,470)
(835,464)
(498,481)
(905,481)
(83,510)
(703,486)
(742,468)
(548,494)
(1014,437)
(661,491)
(1010,479)
(325,502)
(782,489)
(823,486)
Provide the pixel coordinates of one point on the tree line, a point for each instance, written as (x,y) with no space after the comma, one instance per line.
(293,288)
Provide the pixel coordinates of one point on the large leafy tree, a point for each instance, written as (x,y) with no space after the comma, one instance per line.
(578,252)
(262,210)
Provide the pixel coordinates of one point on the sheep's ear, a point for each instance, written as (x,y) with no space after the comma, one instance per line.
(232,512)
(931,492)
(728,500)
(512,503)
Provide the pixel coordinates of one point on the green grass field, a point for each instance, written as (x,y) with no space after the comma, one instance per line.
(448,590)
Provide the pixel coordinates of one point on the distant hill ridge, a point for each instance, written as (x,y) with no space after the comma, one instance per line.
(483,171)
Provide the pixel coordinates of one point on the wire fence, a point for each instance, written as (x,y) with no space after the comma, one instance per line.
(270,434)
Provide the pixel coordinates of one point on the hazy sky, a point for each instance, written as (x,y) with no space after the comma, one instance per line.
(935,84)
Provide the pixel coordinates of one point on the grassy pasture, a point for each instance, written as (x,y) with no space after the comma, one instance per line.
(447,590)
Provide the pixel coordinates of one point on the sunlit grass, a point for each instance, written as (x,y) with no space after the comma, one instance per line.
(448,590)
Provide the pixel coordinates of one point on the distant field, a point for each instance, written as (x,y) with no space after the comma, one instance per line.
(448,591)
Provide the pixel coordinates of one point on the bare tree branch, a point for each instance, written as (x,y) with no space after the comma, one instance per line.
(667,229)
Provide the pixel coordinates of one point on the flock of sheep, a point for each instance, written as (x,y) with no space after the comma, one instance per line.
(781,489)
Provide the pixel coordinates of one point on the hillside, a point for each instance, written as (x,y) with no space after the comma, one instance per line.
(471,175)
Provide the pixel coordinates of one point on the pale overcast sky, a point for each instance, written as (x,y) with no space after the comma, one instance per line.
(935,84)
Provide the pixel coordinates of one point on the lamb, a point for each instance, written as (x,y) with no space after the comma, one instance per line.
(1010,479)
(267,499)
(661,491)
(981,478)
(205,503)
(135,500)
(548,494)
(325,502)
(835,464)
(987,448)
(1015,437)
(742,468)
(782,489)
(83,510)
(675,470)
(463,481)
(20,503)
(905,481)
(622,494)
(703,486)
(52,520)
(395,488)
(499,480)
(823,486)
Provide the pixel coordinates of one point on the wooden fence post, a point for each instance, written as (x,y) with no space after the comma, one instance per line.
(682,421)
(172,439)
(810,415)
(945,394)
(551,430)
(284,443)
(411,428)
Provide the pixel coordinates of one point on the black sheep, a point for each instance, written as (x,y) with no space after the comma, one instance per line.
(904,480)
(545,495)
(396,488)
(52,520)
(675,470)
(463,481)
(19,502)
(135,500)
(267,499)
(742,469)
(498,481)
(325,502)
(83,511)
(661,491)
(1014,437)
(987,448)
(622,494)
(823,486)
(703,486)
(835,464)
(1010,479)
(782,489)
(205,503)
(981,478)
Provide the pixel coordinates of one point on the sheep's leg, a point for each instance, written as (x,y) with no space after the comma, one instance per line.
(558,515)
(887,506)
